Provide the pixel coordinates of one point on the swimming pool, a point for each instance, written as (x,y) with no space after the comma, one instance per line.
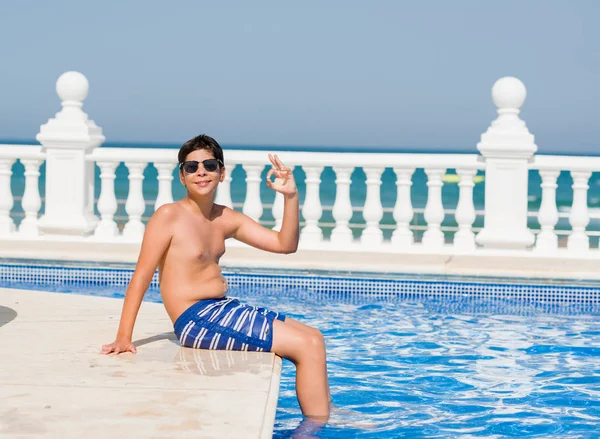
(420,357)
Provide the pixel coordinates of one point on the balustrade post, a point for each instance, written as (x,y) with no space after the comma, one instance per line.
(7,225)
(342,207)
(548,214)
(67,139)
(223,196)
(252,204)
(107,203)
(165,184)
(31,198)
(312,209)
(579,217)
(434,209)
(403,210)
(135,206)
(373,210)
(506,147)
(464,238)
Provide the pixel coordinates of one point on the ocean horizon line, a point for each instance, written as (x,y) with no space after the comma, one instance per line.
(307,148)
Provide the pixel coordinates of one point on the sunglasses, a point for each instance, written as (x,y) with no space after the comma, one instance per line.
(191,166)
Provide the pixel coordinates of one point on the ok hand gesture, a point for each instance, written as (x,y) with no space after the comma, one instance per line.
(284,178)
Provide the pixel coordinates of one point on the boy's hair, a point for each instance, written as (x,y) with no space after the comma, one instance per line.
(200,142)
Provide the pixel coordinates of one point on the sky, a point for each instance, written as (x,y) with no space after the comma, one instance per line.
(397,74)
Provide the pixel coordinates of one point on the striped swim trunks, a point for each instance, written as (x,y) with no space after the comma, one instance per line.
(226,324)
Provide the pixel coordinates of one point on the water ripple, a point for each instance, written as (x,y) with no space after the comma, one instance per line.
(407,370)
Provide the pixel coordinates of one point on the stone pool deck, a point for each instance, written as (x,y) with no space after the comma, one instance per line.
(54,383)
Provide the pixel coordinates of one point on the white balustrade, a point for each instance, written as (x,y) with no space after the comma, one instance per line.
(547,240)
(71,149)
(464,238)
(31,201)
(579,218)
(312,209)
(403,210)
(107,202)
(165,184)
(7,225)
(434,209)
(135,206)
(342,207)
(373,210)
(224,189)
(253,204)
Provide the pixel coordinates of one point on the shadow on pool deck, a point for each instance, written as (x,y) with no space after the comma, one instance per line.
(7,315)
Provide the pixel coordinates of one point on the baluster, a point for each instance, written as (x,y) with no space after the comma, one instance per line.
(403,210)
(31,197)
(224,189)
(312,209)
(253,205)
(165,183)
(91,196)
(579,217)
(464,238)
(277,210)
(372,210)
(342,207)
(7,225)
(107,202)
(548,214)
(135,206)
(434,209)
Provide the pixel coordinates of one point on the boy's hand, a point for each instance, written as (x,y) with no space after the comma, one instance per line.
(118,346)
(284,178)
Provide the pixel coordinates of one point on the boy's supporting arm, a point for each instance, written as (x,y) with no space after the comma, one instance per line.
(157,238)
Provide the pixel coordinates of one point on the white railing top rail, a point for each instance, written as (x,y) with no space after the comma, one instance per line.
(13,152)
(143,155)
(299,158)
(565,162)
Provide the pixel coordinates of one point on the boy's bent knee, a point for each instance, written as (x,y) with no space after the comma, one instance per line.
(316,340)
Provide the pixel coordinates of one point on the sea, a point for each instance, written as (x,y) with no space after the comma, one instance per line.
(450,190)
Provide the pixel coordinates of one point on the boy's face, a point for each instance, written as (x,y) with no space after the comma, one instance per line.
(203,181)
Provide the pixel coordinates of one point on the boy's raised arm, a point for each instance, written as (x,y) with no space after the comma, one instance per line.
(286,240)
(157,238)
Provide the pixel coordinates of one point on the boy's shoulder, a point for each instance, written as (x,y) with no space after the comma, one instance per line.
(168,211)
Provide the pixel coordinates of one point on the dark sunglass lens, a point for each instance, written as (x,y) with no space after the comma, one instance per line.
(210,165)
(190,167)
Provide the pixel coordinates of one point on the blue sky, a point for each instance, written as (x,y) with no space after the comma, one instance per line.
(348,73)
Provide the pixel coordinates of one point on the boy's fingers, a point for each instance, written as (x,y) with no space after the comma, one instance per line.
(273,161)
(281,164)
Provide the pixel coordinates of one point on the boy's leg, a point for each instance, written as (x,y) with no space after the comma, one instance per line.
(307,351)
(316,332)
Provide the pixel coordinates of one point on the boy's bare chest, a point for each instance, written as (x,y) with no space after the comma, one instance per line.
(200,241)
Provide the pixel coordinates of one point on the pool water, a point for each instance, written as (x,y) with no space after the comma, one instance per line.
(423,369)
(444,367)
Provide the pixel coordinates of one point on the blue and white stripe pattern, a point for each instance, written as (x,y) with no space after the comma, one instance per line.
(226,324)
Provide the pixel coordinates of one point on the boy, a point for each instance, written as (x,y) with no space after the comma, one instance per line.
(186,239)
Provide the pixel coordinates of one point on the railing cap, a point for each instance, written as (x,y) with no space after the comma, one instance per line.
(509,93)
(72,86)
